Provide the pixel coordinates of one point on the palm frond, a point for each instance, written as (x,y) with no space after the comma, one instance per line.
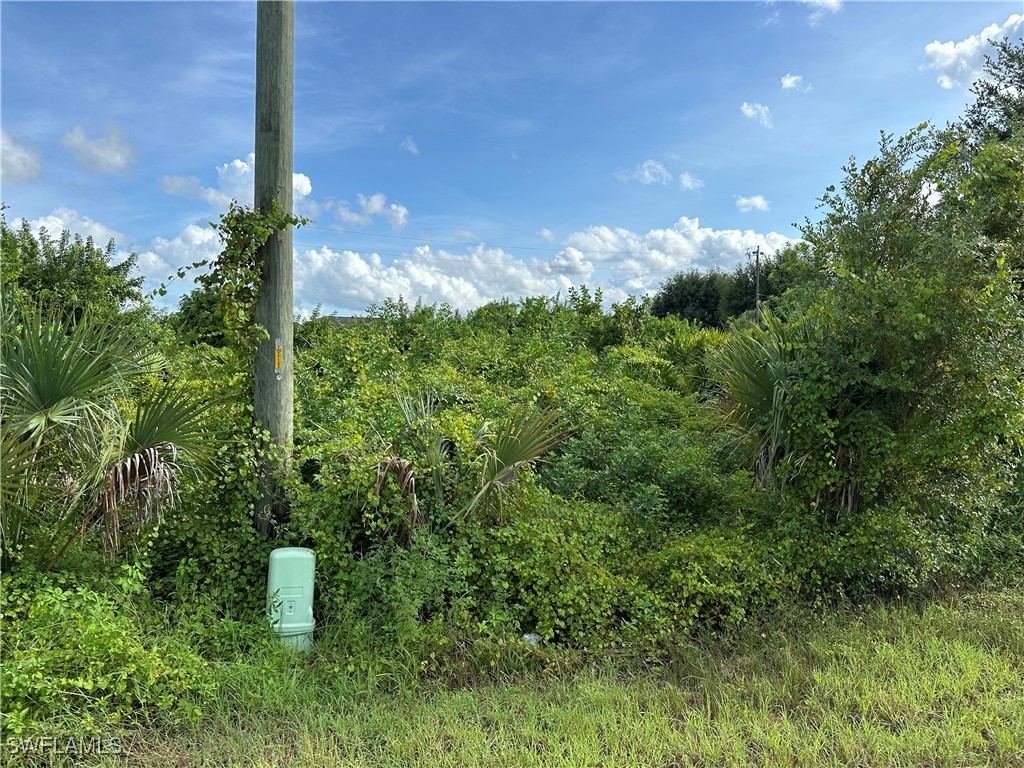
(520,438)
(53,375)
(402,472)
(171,415)
(22,458)
(145,482)
(167,426)
(755,370)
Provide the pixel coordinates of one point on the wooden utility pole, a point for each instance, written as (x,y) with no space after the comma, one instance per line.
(275,75)
(757,285)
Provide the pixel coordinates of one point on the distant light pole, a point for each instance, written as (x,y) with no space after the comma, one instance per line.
(757,285)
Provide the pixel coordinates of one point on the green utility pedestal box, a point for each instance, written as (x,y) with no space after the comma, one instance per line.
(290,596)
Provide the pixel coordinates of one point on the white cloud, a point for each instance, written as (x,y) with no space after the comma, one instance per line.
(619,261)
(791,82)
(352,281)
(374,205)
(961,63)
(688,182)
(752,203)
(546,234)
(19,162)
(830,6)
(107,154)
(77,223)
(192,244)
(648,172)
(234,182)
(820,7)
(758,112)
(302,187)
(410,146)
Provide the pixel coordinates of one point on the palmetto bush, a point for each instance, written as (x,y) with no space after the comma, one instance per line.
(755,371)
(92,439)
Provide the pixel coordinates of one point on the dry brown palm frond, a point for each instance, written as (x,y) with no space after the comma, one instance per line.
(145,481)
(402,471)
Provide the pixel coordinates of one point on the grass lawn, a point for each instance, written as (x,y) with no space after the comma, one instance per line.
(939,684)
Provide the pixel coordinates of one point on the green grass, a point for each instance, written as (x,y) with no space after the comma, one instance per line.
(938,684)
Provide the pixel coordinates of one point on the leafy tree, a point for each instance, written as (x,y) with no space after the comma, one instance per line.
(738,289)
(200,317)
(67,274)
(896,391)
(998,110)
(714,298)
(692,295)
(779,272)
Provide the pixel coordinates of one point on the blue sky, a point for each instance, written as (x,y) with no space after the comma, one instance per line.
(462,152)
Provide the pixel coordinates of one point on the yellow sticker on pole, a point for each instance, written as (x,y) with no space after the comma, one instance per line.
(278,358)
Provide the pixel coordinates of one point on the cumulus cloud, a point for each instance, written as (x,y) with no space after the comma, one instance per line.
(648,172)
(752,203)
(758,112)
(374,205)
(192,244)
(234,182)
(19,162)
(410,146)
(302,187)
(546,234)
(107,154)
(821,7)
(619,261)
(962,63)
(352,281)
(688,182)
(78,223)
(629,263)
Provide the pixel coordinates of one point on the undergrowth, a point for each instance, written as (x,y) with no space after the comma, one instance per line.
(937,683)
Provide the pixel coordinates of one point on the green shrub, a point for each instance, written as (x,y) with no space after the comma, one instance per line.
(78,659)
(209,546)
(1001,549)
(877,551)
(714,579)
(652,454)
(557,567)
